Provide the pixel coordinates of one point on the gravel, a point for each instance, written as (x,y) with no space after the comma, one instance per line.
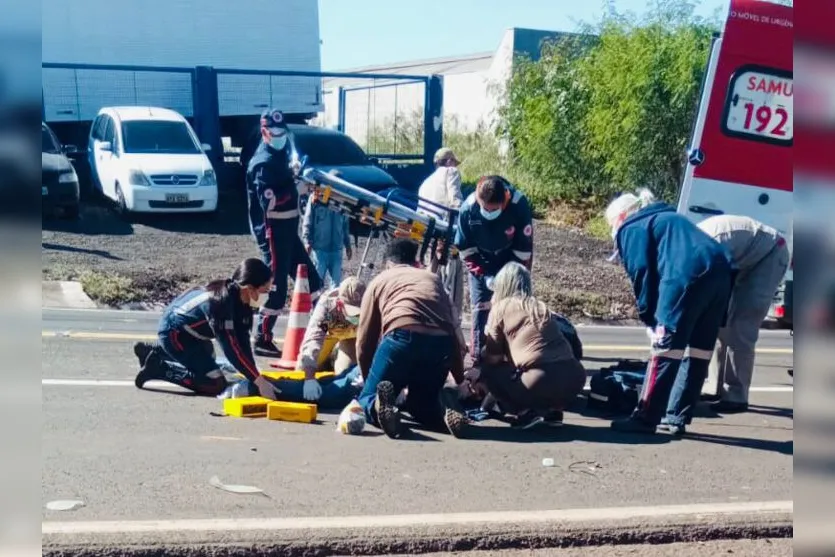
(163,254)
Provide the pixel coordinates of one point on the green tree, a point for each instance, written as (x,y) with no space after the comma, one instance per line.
(610,108)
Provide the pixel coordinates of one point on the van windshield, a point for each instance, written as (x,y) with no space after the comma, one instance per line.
(157,136)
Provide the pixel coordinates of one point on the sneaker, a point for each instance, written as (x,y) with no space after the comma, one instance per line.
(454,418)
(266,348)
(141,350)
(151,369)
(388,415)
(672,429)
(527,420)
(553,418)
(633,425)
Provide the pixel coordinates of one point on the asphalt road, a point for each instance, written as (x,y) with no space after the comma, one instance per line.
(135,456)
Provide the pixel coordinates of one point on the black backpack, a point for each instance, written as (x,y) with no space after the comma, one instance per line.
(615,390)
(570,333)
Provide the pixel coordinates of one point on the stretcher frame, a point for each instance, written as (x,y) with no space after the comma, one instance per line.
(433,225)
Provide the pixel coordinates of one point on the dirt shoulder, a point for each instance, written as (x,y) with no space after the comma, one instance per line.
(149,260)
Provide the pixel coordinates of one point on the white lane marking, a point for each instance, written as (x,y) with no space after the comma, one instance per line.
(412,520)
(121,383)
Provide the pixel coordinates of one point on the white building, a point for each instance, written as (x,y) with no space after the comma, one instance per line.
(473,88)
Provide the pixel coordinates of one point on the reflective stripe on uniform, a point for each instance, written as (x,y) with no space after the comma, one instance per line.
(523,255)
(270,312)
(469,252)
(279,215)
(701,353)
(214,374)
(517,195)
(193,303)
(668,353)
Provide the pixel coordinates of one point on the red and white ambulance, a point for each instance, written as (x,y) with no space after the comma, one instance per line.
(740,155)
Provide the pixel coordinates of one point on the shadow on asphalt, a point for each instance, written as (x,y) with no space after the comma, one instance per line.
(97,252)
(782,447)
(771,411)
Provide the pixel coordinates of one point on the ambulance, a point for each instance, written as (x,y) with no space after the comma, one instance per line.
(740,153)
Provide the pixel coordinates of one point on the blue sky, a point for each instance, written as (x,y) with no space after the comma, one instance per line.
(367,32)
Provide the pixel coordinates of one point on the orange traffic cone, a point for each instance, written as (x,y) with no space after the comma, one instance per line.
(300,308)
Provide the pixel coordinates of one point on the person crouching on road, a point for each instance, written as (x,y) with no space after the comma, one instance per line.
(333,324)
(494,228)
(406,339)
(682,281)
(325,236)
(223,311)
(761,255)
(274,219)
(527,363)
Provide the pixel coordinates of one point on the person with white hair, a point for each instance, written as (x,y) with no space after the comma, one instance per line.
(682,281)
(528,365)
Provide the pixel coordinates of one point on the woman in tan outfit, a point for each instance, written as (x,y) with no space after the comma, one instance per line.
(527,363)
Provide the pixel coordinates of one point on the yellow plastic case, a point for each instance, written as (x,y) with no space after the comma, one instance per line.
(291,412)
(294,375)
(246,407)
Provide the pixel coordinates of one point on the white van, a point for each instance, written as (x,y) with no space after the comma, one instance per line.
(148,159)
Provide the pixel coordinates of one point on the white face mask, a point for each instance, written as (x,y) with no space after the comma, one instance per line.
(278,142)
(260,300)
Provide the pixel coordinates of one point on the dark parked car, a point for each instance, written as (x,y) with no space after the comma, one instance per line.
(59,184)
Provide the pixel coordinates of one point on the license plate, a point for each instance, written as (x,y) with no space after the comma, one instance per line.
(44,190)
(176,198)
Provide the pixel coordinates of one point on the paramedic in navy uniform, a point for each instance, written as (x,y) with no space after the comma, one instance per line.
(274,220)
(682,280)
(222,311)
(494,228)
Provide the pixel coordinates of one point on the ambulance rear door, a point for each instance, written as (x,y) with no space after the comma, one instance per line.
(740,155)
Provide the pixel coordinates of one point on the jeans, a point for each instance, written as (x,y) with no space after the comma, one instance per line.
(337,391)
(328,263)
(418,361)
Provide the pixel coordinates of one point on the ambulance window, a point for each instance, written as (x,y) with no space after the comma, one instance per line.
(759,105)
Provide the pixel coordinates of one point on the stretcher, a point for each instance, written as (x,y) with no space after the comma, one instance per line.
(395,213)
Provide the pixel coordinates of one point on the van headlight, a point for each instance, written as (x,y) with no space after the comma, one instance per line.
(68,177)
(138,178)
(209,178)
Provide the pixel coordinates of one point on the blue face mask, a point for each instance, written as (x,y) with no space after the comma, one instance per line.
(490,215)
(278,142)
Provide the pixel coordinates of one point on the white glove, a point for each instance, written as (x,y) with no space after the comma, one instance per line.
(312,389)
(651,334)
(489,282)
(265,388)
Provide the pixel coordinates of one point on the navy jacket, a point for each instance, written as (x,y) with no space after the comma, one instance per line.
(486,245)
(198,314)
(667,257)
(271,189)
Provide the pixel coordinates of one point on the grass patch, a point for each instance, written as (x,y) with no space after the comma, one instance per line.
(598,228)
(574,302)
(110,289)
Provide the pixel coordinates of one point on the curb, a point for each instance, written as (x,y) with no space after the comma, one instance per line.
(65,294)
(680,526)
